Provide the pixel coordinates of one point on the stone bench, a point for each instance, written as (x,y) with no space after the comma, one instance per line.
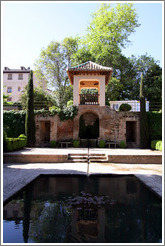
(111,144)
(64,144)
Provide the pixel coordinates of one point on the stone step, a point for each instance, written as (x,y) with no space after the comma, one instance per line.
(77,160)
(97,157)
(77,154)
(99,161)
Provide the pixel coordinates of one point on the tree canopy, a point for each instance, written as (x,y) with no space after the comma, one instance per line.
(52,64)
(107,34)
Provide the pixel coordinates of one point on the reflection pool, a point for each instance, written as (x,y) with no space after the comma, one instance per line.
(81,209)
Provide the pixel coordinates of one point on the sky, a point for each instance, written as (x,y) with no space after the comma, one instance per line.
(28,27)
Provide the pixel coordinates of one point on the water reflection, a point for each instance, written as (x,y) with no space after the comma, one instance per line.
(86,210)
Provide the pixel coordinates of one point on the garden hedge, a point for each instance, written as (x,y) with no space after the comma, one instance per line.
(154,125)
(15,143)
(14,122)
(156,145)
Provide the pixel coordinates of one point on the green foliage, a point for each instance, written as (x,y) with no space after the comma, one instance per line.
(154,125)
(156,145)
(68,113)
(89,91)
(144,139)
(41,99)
(14,122)
(125,107)
(76,143)
(52,65)
(113,90)
(29,120)
(23,137)
(122,144)
(101,144)
(152,77)
(15,143)
(69,103)
(53,144)
(109,30)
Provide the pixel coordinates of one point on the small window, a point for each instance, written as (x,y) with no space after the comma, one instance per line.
(9,89)
(9,99)
(115,106)
(19,88)
(10,76)
(20,76)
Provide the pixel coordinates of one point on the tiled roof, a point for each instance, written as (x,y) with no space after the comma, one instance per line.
(90,68)
(11,70)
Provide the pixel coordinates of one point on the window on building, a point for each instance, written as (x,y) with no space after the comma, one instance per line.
(20,76)
(115,106)
(9,99)
(9,89)
(19,88)
(10,76)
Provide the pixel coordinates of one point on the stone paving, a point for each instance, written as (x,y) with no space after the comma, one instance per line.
(16,176)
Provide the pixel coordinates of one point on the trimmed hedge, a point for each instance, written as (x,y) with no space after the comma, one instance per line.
(14,122)
(156,145)
(76,143)
(154,125)
(101,144)
(122,144)
(125,107)
(53,144)
(15,143)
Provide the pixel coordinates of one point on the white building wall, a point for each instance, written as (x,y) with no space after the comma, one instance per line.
(76,81)
(15,83)
(134,104)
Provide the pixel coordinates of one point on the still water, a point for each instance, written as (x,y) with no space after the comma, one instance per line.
(80,209)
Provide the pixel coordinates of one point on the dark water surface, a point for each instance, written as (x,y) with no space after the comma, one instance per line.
(80,209)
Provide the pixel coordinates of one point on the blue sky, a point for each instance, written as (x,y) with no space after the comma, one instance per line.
(27,27)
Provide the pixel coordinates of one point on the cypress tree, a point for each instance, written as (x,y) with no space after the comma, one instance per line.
(29,121)
(143,118)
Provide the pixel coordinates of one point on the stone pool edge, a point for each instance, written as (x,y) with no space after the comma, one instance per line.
(16,176)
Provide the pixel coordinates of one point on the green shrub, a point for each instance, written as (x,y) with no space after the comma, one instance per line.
(159,145)
(125,107)
(156,145)
(154,125)
(54,110)
(15,143)
(101,144)
(76,143)
(68,113)
(14,122)
(69,103)
(23,139)
(122,144)
(53,144)
(153,144)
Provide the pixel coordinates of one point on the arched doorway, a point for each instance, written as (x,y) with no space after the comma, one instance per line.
(89,129)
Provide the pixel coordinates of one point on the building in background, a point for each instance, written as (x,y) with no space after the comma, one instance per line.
(133,103)
(15,80)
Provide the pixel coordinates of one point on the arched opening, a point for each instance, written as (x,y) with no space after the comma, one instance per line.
(89,126)
(89,91)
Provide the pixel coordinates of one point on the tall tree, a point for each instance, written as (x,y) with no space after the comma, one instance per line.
(29,120)
(52,64)
(109,31)
(143,118)
(152,77)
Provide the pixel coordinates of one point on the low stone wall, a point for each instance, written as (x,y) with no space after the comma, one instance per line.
(112,125)
(135,159)
(38,158)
